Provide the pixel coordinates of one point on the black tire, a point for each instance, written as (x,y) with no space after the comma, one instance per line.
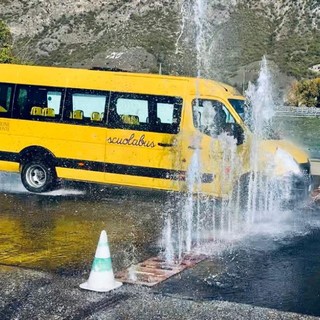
(37,176)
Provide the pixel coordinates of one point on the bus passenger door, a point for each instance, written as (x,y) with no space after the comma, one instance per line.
(140,144)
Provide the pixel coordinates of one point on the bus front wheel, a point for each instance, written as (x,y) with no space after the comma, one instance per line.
(37,176)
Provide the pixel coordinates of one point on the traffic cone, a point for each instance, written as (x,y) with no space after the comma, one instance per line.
(101,277)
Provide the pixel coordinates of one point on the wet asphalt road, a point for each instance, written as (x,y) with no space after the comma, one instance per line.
(275,265)
(282,274)
(59,231)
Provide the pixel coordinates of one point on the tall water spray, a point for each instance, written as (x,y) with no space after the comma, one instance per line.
(188,218)
(266,190)
(199,13)
(193,218)
(259,114)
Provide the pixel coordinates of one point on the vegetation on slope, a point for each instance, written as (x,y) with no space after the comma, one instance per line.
(6,54)
(241,40)
(237,36)
(295,54)
(305,93)
(248,35)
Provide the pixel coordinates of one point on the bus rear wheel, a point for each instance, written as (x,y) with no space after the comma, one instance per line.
(37,176)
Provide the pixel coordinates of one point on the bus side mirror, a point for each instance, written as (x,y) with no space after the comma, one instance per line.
(238,133)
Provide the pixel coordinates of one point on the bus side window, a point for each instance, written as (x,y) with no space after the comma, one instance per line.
(53,103)
(85,107)
(128,111)
(169,114)
(21,103)
(212,117)
(6,91)
(38,103)
(144,112)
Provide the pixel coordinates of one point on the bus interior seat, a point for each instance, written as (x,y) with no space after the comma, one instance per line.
(130,119)
(36,111)
(158,121)
(95,116)
(77,114)
(101,116)
(48,112)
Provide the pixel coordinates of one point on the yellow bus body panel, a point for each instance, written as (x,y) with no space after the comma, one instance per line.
(9,166)
(75,144)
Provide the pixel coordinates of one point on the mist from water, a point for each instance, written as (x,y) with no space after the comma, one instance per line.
(11,182)
(264,205)
(259,115)
(194,220)
(257,201)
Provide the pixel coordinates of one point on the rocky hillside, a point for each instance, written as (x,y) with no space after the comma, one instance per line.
(224,38)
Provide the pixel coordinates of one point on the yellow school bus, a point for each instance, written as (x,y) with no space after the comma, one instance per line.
(121,128)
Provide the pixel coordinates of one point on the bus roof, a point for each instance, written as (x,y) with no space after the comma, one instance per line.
(113,81)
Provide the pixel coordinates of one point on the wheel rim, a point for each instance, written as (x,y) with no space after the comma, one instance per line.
(36,176)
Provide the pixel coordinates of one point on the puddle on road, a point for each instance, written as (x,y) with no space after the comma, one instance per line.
(61,233)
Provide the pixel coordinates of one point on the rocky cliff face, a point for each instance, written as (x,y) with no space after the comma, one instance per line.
(140,34)
(73,32)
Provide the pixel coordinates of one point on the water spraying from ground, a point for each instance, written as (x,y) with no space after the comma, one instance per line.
(259,115)
(266,189)
(259,196)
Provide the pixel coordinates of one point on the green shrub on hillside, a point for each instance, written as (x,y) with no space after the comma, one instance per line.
(250,34)
(6,54)
(296,53)
(305,93)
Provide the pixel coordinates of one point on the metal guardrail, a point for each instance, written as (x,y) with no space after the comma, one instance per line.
(297,111)
(315,167)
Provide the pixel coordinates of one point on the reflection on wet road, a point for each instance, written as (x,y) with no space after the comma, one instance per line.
(276,265)
(59,231)
(274,268)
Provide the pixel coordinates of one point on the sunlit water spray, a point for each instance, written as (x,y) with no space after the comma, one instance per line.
(180,230)
(184,227)
(258,199)
(266,189)
(10,182)
(259,115)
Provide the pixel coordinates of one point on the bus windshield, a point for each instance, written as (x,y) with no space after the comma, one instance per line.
(239,106)
(211,117)
(245,110)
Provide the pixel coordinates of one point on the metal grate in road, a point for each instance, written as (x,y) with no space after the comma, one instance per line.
(155,270)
